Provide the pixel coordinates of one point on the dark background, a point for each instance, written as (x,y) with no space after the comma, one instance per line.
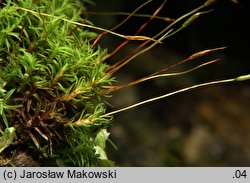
(205,127)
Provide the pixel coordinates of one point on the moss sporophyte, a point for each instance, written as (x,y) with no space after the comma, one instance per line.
(54,80)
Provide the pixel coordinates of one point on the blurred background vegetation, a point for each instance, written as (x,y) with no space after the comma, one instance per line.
(205,127)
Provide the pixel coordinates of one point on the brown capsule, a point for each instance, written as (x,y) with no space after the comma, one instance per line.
(209,2)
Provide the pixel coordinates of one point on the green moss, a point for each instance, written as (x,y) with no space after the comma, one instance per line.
(49,73)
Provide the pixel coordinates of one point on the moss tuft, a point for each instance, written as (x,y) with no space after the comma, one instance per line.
(49,73)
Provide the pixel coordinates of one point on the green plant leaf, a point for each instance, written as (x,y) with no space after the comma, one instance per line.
(7,138)
(101,138)
(101,153)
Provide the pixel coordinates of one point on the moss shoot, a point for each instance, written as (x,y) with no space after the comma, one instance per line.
(49,73)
